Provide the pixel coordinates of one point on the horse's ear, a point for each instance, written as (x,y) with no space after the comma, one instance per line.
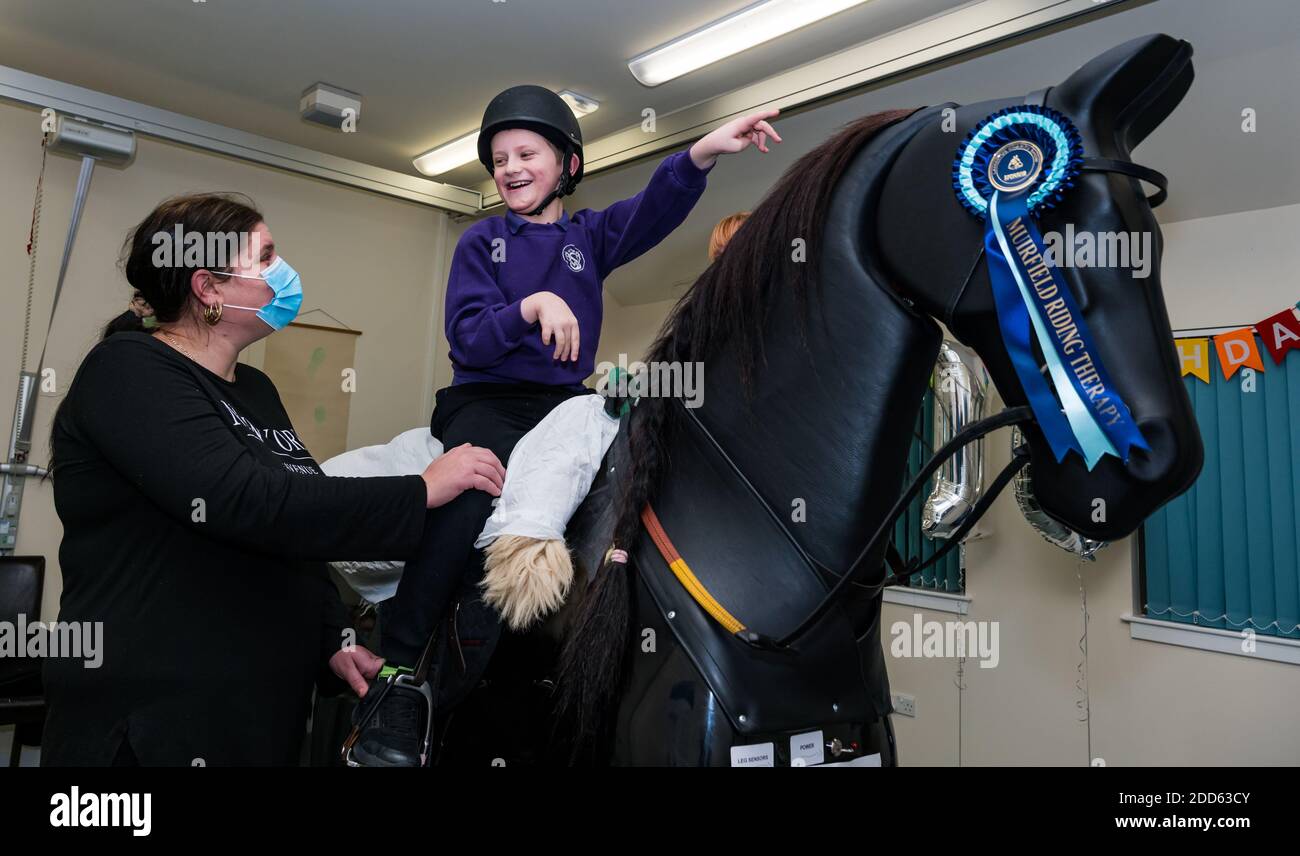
(1128,90)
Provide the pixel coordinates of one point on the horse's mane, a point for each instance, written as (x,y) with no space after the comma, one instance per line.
(727,306)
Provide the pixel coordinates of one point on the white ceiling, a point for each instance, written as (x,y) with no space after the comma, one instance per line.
(1247,54)
(425,68)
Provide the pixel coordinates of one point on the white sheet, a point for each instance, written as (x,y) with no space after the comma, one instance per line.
(548,475)
(406,454)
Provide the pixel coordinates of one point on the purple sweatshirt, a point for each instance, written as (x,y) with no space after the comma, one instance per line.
(501,260)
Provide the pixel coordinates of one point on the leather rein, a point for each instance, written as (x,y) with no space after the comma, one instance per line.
(900,570)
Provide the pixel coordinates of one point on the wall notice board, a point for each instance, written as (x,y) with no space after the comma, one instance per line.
(312,367)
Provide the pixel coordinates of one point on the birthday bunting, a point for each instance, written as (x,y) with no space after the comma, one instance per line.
(1238,349)
(1281,333)
(1194,357)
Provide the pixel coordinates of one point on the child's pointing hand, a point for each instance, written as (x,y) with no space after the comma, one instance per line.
(735,136)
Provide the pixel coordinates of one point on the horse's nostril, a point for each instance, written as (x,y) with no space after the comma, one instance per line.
(1154,463)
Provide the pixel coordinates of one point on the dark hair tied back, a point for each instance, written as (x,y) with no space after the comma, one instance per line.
(166,287)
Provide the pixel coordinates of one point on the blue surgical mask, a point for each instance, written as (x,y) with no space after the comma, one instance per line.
(286,299)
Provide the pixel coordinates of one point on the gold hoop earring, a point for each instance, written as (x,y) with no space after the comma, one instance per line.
(212,314)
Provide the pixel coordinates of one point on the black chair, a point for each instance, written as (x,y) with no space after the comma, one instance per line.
(22,702)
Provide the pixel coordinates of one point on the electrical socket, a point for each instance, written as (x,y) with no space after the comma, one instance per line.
(904,704)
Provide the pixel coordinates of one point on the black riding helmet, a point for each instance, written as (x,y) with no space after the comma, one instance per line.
(537,109)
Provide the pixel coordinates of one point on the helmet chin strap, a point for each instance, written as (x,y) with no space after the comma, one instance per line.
(560,186)
(554,194)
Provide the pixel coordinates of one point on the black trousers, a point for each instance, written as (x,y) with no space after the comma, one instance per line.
(494,416)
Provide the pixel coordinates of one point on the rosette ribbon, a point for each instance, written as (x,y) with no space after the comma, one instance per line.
(1014,164)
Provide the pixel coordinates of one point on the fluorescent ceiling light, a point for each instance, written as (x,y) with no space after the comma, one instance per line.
(464,150)
(581,105)
(738,31)
(448,156)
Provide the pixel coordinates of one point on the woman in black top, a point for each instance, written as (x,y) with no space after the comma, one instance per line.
(196,524)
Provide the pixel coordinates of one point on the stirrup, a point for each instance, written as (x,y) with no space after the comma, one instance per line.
(405,679)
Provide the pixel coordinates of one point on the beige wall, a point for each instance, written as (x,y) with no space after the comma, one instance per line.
(377,264)
(456,226)
(380,266)
(628,331)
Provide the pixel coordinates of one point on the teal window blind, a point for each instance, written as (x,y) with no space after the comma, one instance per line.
(947,574)
(1226,553)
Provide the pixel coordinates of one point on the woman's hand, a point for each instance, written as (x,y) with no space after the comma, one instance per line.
(735,136)
(557,320)
(460,469)
(357,667)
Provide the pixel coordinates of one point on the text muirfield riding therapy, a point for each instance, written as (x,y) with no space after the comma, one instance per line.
(1062,321)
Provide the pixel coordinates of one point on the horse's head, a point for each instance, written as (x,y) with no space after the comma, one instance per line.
(934,249)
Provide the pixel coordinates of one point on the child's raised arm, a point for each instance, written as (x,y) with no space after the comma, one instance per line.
(629,228)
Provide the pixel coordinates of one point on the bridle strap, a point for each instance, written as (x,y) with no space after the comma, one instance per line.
(1144,173)
(969,434)
(1090,164)
(1158,180)
(972,432)
(1019,458)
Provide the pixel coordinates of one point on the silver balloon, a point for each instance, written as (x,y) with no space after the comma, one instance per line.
(1049,527)
(960,395)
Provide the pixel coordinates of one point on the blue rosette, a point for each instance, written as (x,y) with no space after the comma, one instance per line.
(1051,131)
(1015,164)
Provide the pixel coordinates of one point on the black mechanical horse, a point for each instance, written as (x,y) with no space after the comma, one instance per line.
(732,625)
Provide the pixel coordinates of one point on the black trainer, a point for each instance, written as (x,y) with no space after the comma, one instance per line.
(391,724)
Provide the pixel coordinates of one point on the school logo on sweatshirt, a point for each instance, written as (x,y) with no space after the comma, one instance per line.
(573,258)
